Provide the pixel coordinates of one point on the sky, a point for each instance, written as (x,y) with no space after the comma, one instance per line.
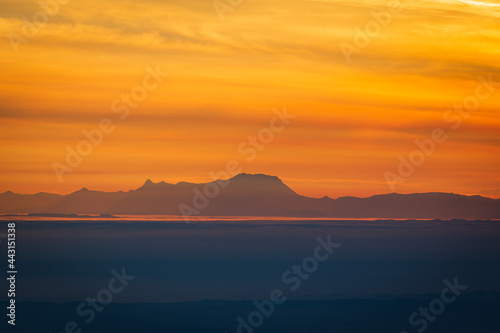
(362,79)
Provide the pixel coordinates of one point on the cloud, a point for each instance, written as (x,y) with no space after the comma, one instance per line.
(478,3)
(226,77)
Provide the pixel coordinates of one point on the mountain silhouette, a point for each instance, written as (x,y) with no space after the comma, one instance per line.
(249,195)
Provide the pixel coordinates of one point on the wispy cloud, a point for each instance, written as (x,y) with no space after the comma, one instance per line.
(353,119)
(478,3)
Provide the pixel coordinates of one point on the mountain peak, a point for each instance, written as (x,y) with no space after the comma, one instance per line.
(257,177)
(253,195)
(150,185)
(82,190)
(260,182)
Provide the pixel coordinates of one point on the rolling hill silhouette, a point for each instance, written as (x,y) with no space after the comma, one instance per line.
(250,195)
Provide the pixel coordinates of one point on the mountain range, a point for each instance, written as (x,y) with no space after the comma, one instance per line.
(249,195)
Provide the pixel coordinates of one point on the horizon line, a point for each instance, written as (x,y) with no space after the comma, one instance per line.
(148,180)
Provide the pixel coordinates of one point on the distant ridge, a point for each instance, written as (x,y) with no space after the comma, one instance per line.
(250,195)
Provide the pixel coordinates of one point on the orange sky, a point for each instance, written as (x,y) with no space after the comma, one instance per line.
(226,76)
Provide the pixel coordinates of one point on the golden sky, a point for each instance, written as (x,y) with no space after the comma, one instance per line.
(229,70)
